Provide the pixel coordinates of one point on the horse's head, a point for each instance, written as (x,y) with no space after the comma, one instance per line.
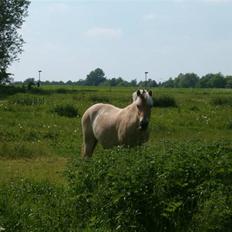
(144,103)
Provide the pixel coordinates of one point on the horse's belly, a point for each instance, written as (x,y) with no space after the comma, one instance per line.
(107,139)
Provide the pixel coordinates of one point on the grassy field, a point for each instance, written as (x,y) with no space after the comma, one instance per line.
(190,147)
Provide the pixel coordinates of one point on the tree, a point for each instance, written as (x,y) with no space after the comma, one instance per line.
(228,80)
(188,80)
(217,81)
(95,77)
(169,83)
(29,82)
(12,17)
(205,81)
(213,81)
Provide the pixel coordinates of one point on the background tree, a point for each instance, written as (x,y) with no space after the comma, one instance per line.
(95,77)
(217,81)
(169,83)
(30,82)
(12,14)
(228,80)
(188,80)
(212,80)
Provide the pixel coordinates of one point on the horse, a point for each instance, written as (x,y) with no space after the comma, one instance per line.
(112,126)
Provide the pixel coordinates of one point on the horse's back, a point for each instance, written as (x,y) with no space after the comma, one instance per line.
(99,109)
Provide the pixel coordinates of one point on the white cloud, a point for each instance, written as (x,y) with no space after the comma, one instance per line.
(102,32)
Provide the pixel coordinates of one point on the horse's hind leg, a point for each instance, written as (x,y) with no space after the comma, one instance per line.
(89,140)
(88,146)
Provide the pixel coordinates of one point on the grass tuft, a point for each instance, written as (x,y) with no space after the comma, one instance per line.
(222,101)
(164,101)
(27,100)
(66,110)
(15,150)
(99,99)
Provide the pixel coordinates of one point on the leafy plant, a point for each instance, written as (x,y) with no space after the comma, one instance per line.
(164,101)
(66,110)
(222,101)
(27,100)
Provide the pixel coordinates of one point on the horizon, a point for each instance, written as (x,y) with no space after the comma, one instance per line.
(69,39)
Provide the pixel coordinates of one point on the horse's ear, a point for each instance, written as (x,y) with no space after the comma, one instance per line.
(150,93)
(138,92)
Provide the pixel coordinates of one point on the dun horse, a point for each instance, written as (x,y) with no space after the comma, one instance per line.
(111,126)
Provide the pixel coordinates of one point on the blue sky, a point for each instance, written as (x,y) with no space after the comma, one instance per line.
(67,39)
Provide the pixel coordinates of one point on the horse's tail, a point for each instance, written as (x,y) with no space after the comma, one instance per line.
(89,140)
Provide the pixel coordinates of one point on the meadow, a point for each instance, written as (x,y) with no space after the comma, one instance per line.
(180,180)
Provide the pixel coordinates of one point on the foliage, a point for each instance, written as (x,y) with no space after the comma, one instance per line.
(30,206)
(146,190)
(191,80)
(99,99)
(212,81)
(12,17)
(222,101)
(28,100)
(95,77)
(187,80)
(180,180)
(66,110)
(183,187)
(164,101)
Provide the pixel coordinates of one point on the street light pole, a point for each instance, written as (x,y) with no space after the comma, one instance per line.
(39,78)
(146,79)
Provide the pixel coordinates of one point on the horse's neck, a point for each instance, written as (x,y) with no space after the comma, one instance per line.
(132,108)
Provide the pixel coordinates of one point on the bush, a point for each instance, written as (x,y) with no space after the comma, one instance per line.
(31,206)
(66,110)
(145,190)
(99,99)
(222,101)
(183,187)
(27,100)
(10,90)
(164,101)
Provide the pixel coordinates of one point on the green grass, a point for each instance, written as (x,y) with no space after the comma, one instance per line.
(186,164)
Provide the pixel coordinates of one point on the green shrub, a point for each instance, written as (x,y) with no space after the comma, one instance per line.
(182,187)
(146,190)
(99,99)
(222,101)
(31,206)
(66,110)
(10,90)
(28,100)
(164,101)
(194,108)
(229,125)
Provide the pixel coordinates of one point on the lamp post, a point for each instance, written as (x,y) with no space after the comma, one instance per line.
(39,78)
(146,79)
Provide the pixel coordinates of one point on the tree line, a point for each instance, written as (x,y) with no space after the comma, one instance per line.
(188,80)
